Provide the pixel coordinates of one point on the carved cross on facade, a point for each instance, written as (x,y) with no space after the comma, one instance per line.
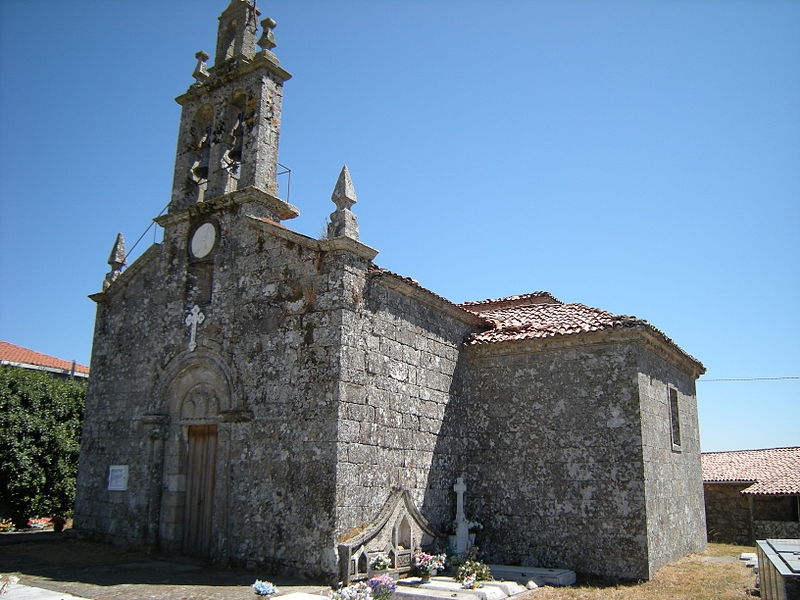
(192,320)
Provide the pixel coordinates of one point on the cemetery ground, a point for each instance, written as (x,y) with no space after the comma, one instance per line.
(68,565)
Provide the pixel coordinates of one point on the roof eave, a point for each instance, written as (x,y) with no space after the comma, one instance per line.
(641,333)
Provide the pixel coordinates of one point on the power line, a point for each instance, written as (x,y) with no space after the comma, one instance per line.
(753,379)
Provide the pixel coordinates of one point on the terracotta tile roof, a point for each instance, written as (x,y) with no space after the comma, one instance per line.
(519,300)
(771,471)
(11,354)
(540,315)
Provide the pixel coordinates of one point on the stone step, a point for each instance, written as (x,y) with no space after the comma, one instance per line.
(522,575)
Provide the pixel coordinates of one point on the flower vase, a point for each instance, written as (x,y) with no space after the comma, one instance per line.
(425,578)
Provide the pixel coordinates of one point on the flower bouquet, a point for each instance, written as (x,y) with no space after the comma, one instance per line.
(357,591)
(382,587)
(427,565)
(264,588)
(380,563)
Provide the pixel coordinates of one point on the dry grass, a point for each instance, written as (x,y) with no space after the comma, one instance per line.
(703,576)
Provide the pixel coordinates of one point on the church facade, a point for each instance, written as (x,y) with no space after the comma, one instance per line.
(258,396)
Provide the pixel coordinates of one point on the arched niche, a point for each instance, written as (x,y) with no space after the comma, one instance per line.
(403,535)
(202,369)
(200,147)
(237,124)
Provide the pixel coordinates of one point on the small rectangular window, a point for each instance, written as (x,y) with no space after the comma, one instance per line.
(674,417)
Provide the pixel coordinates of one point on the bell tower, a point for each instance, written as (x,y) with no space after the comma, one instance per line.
(230,119)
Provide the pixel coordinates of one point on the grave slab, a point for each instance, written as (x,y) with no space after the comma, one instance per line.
(302,596)
(510,588)
(445,587)
(25,592)
(554,577)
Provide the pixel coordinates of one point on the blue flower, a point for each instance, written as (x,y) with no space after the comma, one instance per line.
(264,588)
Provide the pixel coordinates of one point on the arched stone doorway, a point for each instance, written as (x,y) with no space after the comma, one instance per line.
(198,414)
(197,395)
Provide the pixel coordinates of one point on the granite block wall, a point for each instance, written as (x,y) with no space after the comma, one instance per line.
(555,473)
(267,358)
(672,471)
(400,372)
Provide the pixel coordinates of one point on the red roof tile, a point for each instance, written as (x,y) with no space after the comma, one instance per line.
(11,354)
(540,315)
(533,320)
(771,471)
(519,300)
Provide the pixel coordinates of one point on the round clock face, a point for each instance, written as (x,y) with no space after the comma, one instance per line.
(203,240)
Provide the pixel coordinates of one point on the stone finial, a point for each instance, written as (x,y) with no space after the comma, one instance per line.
(116,260)
(343,222)
(200,71)
(344,194)
(267,39)
(236,35)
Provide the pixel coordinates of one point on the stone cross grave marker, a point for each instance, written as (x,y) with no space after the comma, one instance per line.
(462,528)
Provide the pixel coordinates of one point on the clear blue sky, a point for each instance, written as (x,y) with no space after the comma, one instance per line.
(640,157)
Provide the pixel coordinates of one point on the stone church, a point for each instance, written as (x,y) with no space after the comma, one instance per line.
(262,397)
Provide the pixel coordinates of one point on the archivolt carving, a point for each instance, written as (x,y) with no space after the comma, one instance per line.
(195,384)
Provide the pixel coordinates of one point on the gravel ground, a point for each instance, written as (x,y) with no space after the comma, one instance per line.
(63,563)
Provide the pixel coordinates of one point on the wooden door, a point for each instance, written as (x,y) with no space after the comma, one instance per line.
(200,479)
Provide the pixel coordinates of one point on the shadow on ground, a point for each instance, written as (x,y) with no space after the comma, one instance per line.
(64,563)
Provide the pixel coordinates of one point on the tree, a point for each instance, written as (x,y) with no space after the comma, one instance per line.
(40,430)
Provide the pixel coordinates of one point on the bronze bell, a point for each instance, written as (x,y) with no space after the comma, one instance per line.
(200,170)
(235,153)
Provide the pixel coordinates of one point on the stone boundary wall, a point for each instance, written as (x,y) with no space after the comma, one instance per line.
(727,513)
(776,530)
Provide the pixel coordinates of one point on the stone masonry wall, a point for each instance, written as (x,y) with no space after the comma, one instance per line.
(400,370)
(673,475)
(111,433)
(776,530)
(556,476)
(727,513)
(271,339)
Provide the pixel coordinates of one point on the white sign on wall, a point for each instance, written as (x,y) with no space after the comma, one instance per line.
(118,478)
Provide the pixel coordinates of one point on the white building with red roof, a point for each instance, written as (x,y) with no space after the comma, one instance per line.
(25,358)
(752,494)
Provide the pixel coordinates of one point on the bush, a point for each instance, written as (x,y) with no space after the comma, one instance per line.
(40,427)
